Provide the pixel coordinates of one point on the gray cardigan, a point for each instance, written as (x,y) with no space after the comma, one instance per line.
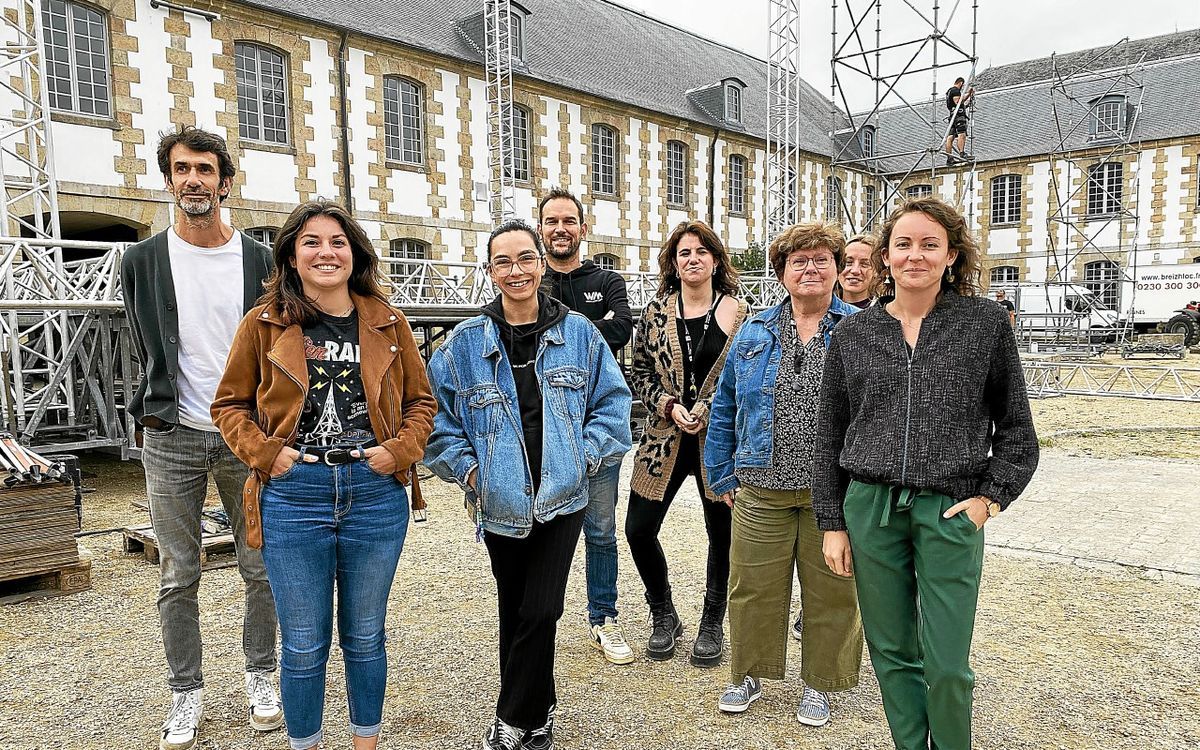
(148,289)
(952,417)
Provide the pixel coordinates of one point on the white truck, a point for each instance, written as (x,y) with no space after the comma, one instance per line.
(1055,311)
(1167,298)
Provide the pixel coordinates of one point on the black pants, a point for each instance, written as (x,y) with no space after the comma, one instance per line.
(645,517)
(531,580)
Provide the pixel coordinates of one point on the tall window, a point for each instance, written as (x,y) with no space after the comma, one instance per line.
(262,93)
(833,199)
(265,235)
(604,160)
(1006,199)
(870,206)
(407,249)
(868,142)
(520,144)
(1105,188)
(76,58)
(1102,277)
(676,172)
(733,103)
(1108,118)
(516,32)
(737,184)
(607,261)
(404,121)
(913,192)
(1005,275)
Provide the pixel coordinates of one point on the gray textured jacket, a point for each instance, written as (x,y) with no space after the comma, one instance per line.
(148,289)
(953,416)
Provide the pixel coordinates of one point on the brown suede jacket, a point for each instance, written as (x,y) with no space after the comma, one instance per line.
(258,403)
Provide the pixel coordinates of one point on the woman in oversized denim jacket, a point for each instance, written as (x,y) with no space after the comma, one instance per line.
(532,404)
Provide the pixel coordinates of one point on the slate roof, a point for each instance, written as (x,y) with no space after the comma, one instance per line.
(592,46)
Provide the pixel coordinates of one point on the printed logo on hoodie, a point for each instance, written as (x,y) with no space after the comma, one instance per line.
(593,296)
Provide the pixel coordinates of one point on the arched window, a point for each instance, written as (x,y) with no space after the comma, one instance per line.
(676,173)
(737,184)
(76,38)
(607,261)
(604,160)
(262,93)
(1109,117)
(407,249)
(1006,199)
(1000,275)
(733,102)
(1102,277)
(868,141)
(404,120)
(265,235)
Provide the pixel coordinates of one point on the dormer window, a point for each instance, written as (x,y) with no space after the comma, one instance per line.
(473,30)
(1110,118)
(516,31)
(733,100)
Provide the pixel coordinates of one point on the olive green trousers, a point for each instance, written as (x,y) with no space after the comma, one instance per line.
(774,533)
(918,584)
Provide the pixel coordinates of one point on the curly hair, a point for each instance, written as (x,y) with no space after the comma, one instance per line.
(725,276)
(967,267)
(809,236)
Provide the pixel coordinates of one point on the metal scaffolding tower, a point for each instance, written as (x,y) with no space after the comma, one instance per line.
(1092,227)
(880,128)
(783,116)
(499,63)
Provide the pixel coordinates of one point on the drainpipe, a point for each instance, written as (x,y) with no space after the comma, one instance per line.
(347,196)
(712,175)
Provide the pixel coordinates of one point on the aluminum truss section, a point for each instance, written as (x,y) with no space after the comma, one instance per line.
(881,130)
(30,202)
(783,116)
(1093,197)
(498,40)
(1130,381)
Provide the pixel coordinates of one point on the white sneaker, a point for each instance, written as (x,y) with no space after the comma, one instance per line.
(610,639)
(266,712)
(183,722)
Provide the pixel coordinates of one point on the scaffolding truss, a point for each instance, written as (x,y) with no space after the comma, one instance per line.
(783,116)
(1130,381)
(498,40)
(1092,226)
(880,128)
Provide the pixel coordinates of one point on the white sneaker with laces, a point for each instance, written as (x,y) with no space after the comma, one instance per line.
(737,698)
(183,722)
(610,639)
(813,710)
(266,711)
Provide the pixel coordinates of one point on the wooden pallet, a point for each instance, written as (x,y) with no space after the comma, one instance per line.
(141,539)
(68,579)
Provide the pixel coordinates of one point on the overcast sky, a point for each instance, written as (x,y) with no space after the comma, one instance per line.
(1009,30)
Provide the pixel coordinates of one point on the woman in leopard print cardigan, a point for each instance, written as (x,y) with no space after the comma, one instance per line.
(680,348)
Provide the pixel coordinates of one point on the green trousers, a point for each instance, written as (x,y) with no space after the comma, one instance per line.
(918,584)
(774,533)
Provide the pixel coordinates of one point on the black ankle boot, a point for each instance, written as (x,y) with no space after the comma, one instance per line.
(666,629)
(710,637)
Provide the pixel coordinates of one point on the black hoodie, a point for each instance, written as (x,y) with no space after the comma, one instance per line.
(594,292)
(521,346)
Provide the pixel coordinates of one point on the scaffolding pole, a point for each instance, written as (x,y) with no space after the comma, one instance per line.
(783,117)
(499,64)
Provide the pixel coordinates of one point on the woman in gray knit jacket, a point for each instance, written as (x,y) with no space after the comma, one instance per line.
(924,433)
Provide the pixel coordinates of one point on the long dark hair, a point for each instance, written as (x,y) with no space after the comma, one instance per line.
(284,290)
(725,276)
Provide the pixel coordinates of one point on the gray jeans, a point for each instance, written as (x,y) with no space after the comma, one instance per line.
(177,461)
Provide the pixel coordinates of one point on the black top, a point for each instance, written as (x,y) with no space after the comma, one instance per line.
(1006,304)
(707,349)
(953,92)
(335,406)
(862,304)
(952,416)
(594,292)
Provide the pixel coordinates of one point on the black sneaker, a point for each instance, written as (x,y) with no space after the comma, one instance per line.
(541,738)
(501,736)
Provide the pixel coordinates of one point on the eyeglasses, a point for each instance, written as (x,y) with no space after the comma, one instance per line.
(821,262)
(504,266)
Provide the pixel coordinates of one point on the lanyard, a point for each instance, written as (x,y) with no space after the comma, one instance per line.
(688,352)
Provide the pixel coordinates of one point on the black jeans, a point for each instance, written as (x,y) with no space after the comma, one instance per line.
(531,583)
(645,517)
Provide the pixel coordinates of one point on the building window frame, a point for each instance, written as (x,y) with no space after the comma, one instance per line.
(264,235)
(1103,277)
(870,206)
(404,249)
(252,94)
(604,159)
(522,146)
(737,184)
(62,49)
(916,192)
(1109,118)
(607,261)
(833,199)
(676,166)
(733,103)
(404,121)
(1105,188)
(867,142)
(1001,275)
(1006,199)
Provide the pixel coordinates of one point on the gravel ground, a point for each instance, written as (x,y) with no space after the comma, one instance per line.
(1067,658)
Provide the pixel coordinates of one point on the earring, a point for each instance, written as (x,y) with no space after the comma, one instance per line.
(950,274)
(887,276)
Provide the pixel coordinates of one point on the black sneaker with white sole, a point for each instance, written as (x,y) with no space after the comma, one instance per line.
(502,736)
(541,738)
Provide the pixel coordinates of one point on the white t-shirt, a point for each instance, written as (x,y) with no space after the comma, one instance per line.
(209,294)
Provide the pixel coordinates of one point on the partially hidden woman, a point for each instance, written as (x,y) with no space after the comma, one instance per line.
(532,404)
(759,458)
(681,345)
(325,398)
(924,433)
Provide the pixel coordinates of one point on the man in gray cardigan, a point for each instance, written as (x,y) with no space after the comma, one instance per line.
(185,291)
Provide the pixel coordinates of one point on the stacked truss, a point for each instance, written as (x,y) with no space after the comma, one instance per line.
(783,116)
(499,62)
(1079,184)
(888,64)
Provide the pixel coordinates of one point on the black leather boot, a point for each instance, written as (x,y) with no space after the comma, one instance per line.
(710,637)
(666,629)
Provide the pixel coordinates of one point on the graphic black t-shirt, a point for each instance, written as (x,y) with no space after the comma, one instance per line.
(335,407)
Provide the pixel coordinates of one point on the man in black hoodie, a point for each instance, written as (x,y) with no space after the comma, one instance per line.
(599,295)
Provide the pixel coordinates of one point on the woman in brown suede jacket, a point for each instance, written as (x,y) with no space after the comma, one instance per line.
(325,398)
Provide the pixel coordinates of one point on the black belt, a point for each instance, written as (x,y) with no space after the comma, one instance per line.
(334,456)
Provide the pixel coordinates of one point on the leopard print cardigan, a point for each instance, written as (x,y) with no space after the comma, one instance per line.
(656,375)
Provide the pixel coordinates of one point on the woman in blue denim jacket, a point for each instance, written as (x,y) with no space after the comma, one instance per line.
(532,405)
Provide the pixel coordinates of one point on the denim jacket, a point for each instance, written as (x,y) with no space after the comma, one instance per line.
(585,408)
(741,422)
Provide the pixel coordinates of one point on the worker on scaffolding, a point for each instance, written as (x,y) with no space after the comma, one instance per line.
(957,103)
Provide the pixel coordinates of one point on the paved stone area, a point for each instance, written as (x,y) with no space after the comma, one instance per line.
(1133,511)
